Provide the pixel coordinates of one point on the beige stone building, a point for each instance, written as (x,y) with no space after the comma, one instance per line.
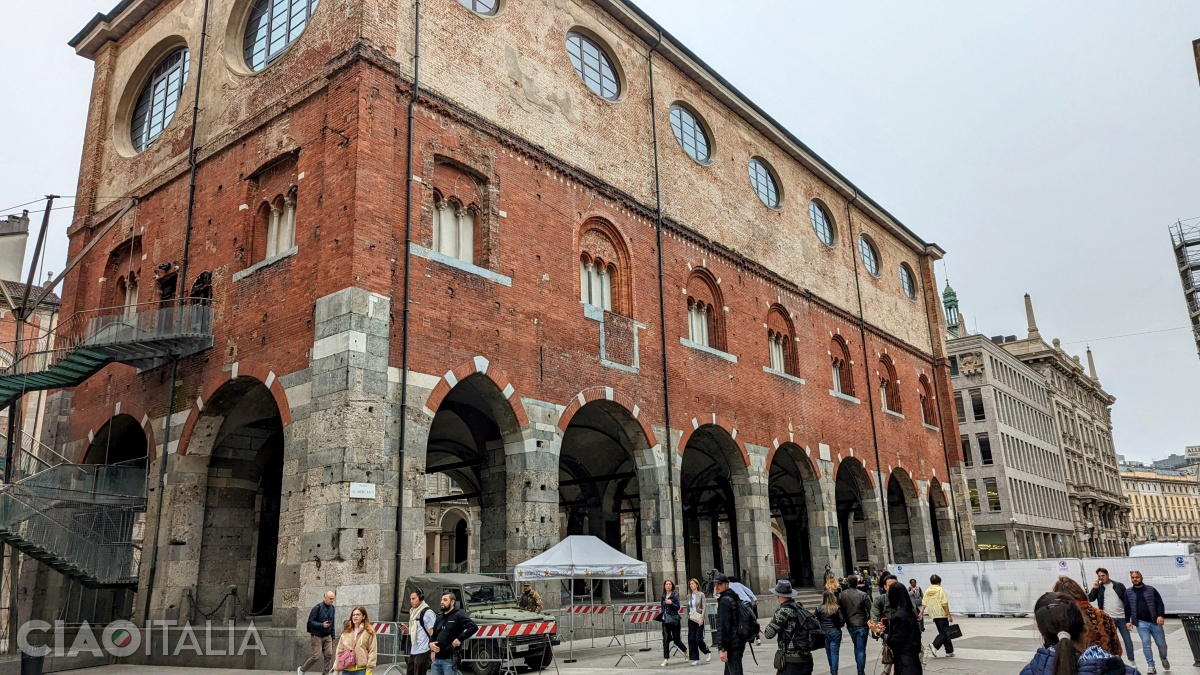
(1082,417)
(1165,503)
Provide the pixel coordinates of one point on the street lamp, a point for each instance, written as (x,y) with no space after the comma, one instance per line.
(1016,539)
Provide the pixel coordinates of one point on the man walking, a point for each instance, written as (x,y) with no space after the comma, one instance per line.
(450,630)
(1109,596)
(856,608)
(789,624)
(1144,608)
(531,600)
(421,620)
(730,641)
(321,627)
(915,594)
(937,606)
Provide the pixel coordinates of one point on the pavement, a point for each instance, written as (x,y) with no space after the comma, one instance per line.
(989,646)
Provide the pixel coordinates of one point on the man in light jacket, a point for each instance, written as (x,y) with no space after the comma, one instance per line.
(421,620)
(1109,597)
(321,628)
(936,605)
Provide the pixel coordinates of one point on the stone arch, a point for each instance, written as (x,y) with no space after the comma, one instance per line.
(479,365)
(143,420)
(697,423)
(716,494)
(904,518)
(797,506)
(610,394)
(942,523)
(239,370)
(121,441)
(859,515)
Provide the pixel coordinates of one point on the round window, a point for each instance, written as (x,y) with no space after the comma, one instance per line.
(764,183)
(272,26)
(593,66)
(821,223)
(869,257)
(156,104)
(484,7)
(690,133)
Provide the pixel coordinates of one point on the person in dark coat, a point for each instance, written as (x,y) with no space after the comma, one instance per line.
(671,625)
(1145,612)
(829,613)
(731,646)
(321,627)
(903,636)
(1064,652)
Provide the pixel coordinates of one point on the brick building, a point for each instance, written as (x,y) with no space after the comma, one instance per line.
(636,304)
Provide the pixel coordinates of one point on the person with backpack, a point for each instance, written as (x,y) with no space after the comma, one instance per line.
(736,625)
(829,614)
(902,636)
(420,629)
(798,631)
(320,632)
(856,610)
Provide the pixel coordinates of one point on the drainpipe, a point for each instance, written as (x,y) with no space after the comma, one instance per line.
(942,428)
(406,295)
(662,312)
(180,295)
(862,337)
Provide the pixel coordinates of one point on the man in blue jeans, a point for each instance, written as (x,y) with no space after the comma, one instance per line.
(856,608)
(1144,609)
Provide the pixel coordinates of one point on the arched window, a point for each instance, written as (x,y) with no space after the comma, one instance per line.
(706,325)
(869,255)
(763,182)
(907,281)
(603,268)
(889,387)
(781,341)
(484,7)
(843,379)
(454,229)
(276,224)
(593,66)
(158,100)
(821,223)
(271,27)
(928,414)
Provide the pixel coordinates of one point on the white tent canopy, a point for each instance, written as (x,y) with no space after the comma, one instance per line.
(580,557)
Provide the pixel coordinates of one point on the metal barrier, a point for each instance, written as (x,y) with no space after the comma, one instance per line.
(590,611)
(388,643)
(634,619)
(504,643)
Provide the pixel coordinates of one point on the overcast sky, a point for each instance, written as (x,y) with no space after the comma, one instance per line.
(1045,146)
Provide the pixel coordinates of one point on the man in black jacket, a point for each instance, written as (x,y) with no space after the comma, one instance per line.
(450,631)
(729,642)
(321,627)
(1109,596)
(1144,610)
(856,609)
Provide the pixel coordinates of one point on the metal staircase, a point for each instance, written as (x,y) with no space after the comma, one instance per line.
(143,336)
(1185,239)
(87,521)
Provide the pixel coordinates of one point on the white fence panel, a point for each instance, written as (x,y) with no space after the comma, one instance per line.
(1175,577)
(992,586)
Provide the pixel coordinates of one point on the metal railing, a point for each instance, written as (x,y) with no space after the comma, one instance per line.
(87,520)
(111,326)
(32,456)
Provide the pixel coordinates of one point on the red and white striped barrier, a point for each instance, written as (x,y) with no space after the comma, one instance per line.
(587,609)
(627,609)
(387,628)
(495,630)
(642,617)
(533,628)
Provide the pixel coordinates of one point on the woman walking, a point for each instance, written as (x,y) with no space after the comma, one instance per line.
(357,650)
(903,637)
(696,624)
(670,621)
(830,616)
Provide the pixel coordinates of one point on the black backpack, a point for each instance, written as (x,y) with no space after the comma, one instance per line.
(807,636)
(746,622)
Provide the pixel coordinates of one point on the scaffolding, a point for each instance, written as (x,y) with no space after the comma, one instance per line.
(1185,237)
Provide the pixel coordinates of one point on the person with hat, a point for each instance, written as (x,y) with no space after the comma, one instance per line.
(729,643)
(787,624)
(531,600)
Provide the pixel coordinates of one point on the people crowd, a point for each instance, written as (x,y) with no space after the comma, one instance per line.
(1083,632)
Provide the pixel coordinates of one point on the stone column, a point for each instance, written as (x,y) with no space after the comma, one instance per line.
(531,489)
(964,530)
(873,506)
(349,544)
(824,536)
(920,527)
(754,522)
(662,513)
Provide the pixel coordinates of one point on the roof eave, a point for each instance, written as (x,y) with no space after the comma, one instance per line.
(114,25)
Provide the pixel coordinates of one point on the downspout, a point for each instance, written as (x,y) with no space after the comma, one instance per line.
(662,313)
(406,296)
(180,295)
(862,337)
(962,552)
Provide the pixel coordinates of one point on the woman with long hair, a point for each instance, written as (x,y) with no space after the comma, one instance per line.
(903,636)
(1099,628)
(696,628)
(832,585)
(830,616)
(357,649)
(1065,652)
(670,621)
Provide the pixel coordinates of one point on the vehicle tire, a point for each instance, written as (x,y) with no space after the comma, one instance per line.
(542,661)
(487,666)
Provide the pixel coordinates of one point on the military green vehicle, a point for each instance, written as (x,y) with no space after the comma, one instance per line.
(488,601)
